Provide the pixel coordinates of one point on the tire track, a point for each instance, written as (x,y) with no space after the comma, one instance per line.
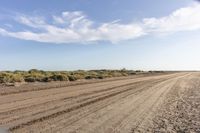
(103,105)
(103,126)
(70,98)
(96,108)
(67,108)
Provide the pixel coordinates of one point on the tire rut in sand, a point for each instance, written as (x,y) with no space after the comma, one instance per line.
(108,107)
(73,108)
(81,106)
(76,99)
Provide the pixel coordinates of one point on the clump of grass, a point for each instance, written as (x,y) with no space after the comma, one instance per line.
(6,77)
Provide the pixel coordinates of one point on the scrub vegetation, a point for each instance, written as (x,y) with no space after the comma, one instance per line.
(35,75)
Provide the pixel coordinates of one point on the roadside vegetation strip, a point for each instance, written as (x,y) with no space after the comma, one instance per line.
(47,76)
(51,85)
(6,90)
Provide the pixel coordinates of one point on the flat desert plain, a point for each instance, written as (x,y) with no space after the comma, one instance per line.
(168,102)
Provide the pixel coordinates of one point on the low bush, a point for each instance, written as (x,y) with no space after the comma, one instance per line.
(89,77)
(10,78)
(30,79)
(59,77)
(72,78)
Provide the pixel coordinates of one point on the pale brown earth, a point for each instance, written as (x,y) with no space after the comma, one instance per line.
(168,102)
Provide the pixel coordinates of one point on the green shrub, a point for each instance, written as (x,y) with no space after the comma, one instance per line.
(47,79)
(16,78)
(3,78)
(72,78)
(116,74)
(132,73)
(59,77)
(100,77)
(89,77)
(30,79)
(10,78)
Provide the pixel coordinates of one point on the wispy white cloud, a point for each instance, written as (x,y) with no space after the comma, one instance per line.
(75,27)
(31,21)
(183,19)
(58,20)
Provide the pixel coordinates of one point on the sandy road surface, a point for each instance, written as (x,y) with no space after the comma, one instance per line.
(127,105)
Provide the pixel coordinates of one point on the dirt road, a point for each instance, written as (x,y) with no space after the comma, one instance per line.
(139,104)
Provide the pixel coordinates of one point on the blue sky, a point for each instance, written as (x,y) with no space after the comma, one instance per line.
(99,34)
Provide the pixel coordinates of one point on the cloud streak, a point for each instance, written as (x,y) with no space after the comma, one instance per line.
(183,19)
(75,27)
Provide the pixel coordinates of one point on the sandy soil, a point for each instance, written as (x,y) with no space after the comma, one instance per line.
(158,103)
